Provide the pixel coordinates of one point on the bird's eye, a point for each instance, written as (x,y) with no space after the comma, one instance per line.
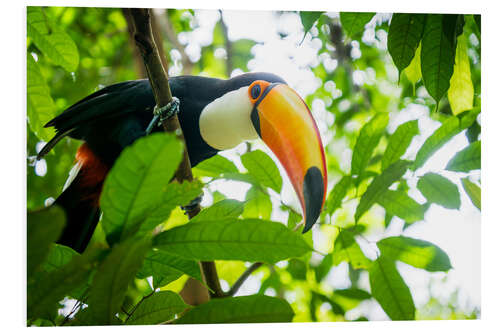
(255,92)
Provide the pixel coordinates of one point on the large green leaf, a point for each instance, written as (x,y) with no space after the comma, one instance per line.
(308,19)
(263,168)
(379,185)
(450,127)
(347,249)
(473,191)
(215,166)
(43,228)
(438,53)
(243,309)
(415,252)
(467,159)
(398,142)
(112,278)
(232,239)
(59,255)
(220,210)
(137,183)
(398,203)
(405,33)
(257,204)
(338,193)
(46,289)
(353,24)
(161,264)
(40,105)
(158,308)
(461,92)
(51,39)
(368,139)
(389,289)
(439,190)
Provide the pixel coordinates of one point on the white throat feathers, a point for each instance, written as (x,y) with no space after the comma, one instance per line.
(226,122)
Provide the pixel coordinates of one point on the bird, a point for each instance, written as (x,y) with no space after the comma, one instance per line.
(214,114)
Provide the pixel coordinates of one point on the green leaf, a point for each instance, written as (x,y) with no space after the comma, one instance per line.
(40,105)
(389,289)
(59,255)
(414,71)
(43,228)
(338,193)
(137,183)
(308,19)
(366,142)
(353,293)
(48,288)
(257,204)
(232,239)
(443,134)
(438,53)
(473,191)
(158,308)
(297,269)
(263,168)
(242,309)
(398,203)
(161,264)
(112,278)
(215,166)
(405,33)
(380,185)
(51,39)
(415,252)
(398,142)
(353,24)
(347,249)
(324,267)
(439,190)
(461,92)
(467,159)
(220,210)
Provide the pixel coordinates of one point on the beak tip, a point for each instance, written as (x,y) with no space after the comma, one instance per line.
(313,196)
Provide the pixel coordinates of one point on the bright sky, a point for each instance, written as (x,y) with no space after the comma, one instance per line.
(456,232)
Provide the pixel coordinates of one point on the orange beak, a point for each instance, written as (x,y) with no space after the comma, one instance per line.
(284,122)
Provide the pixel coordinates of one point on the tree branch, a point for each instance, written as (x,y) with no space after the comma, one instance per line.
(158,78)
(242,279)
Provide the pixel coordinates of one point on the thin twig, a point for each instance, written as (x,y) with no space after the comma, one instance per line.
(137,305)
(242,279)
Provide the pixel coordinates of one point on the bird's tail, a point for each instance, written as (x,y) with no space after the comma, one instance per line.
(80,199)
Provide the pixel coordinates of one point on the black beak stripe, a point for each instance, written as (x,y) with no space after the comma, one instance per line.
(255,113)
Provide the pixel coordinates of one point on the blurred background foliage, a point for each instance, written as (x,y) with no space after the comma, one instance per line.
(349,78)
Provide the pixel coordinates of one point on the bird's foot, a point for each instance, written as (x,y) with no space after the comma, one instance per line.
(160,114)
(193,204)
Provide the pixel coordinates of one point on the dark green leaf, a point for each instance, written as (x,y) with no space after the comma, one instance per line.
(297,269)
(347,249)
(390,290)
(158,308)
(439,190)
(51,39)
(257,204)
(233,239)
(308,19)
(243,309)
(398,142)
(324,267)
(438,53)
(43,228)
(215,166)
(137,183)
(467,159)
(353,293)
(338,193)
(398,203)
(368,139)
(353,24)
(405,33)
(40,105)
(381,184)
(473,191)
(112,278)
(59,256)
(160,263)
(222,209)
(415,252)
(263,168)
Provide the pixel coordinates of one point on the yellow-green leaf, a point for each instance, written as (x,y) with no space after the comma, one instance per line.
(414,72)
(461,92)
(473,191)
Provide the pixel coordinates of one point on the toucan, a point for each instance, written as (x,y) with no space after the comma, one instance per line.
(215,115)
